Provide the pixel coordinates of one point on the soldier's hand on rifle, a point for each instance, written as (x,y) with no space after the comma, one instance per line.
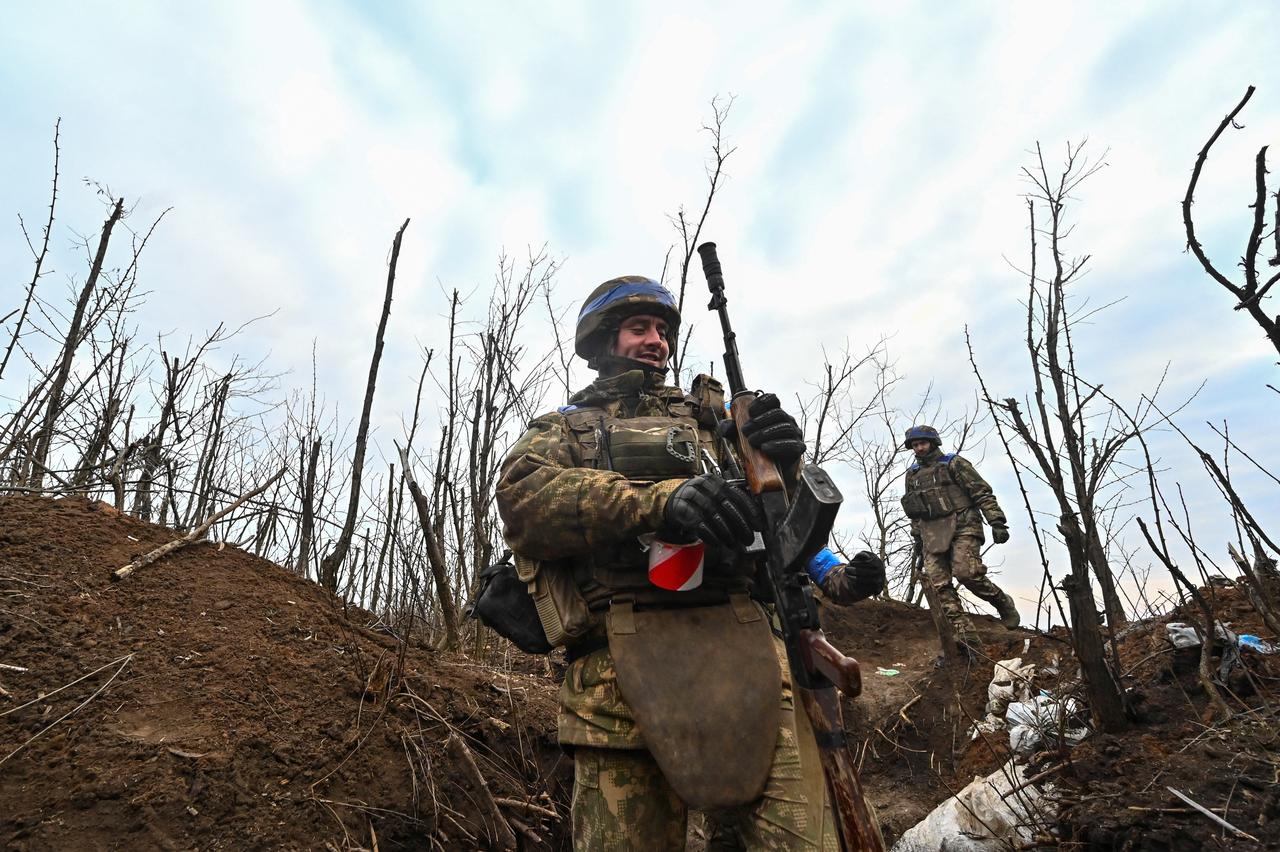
(867,573)
(712,509)
(771,430)
(999,533)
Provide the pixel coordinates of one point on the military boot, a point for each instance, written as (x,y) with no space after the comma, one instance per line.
(1008,611)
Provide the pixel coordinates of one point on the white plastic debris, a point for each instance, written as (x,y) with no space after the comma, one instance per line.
(1041,718)
(1182,635)
(983,817)
(1011,681)
(1185,636)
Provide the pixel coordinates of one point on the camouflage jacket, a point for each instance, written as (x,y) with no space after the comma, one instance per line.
(553,507)
(966,476)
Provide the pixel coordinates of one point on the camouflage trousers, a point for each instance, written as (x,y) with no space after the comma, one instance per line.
(621,801)
(964,562)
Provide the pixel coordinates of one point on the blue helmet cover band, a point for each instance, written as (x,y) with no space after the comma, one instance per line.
(647,287)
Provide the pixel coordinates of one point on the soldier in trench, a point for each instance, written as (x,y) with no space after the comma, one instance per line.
(946,500)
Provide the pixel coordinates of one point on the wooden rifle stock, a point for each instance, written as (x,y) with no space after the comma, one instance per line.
(823,657)
(762,473)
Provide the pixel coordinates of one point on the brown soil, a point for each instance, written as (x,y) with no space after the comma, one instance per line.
(913,728)
(916,751)
(1116,793)
(216,701)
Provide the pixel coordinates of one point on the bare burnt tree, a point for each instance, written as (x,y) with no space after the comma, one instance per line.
(490,385)
(330,564)
(690,228)
(1249,293)
(833,411)
(53,407)
(1074,439)
(1260,576)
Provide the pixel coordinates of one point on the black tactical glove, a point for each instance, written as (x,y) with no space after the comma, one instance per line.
(999,533)
(770,430)
(707,507)
(866,572)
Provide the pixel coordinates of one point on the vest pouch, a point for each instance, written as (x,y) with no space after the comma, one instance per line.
(503,603)
(705,687)
(708,394)
(913,504)
(560,606)
(938,503)
(650,449)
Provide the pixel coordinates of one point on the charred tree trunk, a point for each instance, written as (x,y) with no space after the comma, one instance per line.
(308,509)
(330,564)
(1262,584)
(53,407)
(1086,636)
(435,554)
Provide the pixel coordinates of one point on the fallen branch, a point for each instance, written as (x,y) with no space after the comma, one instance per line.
(526,831)
(195,535)
(1211,815)
(908,706)
(505,837)
(527,807)
(1035,779)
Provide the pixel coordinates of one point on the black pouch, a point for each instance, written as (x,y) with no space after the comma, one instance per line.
(503,603)
(915,507)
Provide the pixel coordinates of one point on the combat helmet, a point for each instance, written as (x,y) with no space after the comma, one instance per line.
(612,302)
(922,433)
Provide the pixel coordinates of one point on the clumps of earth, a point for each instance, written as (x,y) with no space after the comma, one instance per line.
(215,700)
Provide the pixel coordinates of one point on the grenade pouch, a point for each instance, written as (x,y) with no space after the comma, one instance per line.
(932,504)
(560,607)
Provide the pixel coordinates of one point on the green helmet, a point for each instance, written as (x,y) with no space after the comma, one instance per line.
(922,433)
(615,300)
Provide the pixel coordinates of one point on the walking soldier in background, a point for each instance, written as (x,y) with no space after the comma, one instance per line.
(675,695)
(946,500)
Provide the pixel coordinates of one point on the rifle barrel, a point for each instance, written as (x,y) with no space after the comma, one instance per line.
(719,304)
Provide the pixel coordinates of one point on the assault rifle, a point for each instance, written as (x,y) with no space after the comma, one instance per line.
(796,527)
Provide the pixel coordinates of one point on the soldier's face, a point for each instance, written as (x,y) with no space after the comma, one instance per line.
(921,447)
(643,338)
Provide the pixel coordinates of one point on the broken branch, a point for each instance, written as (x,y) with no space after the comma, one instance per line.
(505,838)
(195,535)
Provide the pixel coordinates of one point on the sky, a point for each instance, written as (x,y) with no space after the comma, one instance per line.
(874,190)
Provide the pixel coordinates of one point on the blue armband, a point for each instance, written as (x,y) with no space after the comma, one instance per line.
(821,564)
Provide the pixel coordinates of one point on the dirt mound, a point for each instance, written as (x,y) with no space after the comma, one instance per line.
(216,701)
(917,744)
(1116,793)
